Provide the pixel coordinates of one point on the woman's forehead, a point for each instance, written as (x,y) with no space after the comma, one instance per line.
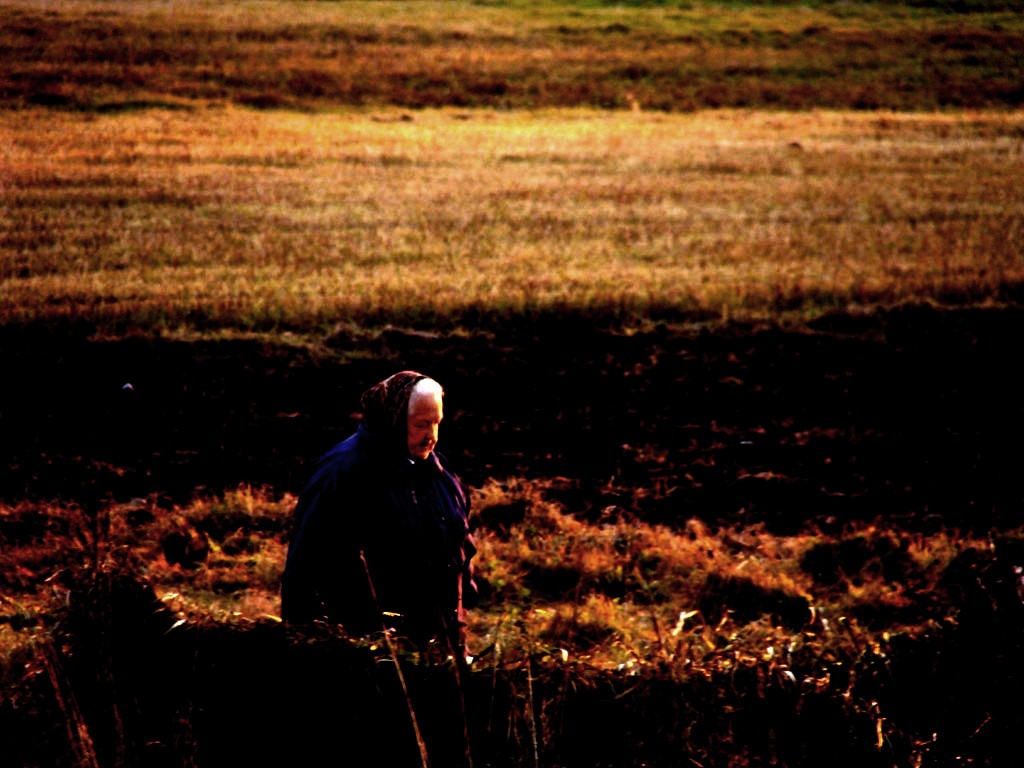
(425,403)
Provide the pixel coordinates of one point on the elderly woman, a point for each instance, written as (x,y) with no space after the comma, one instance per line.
(381,537)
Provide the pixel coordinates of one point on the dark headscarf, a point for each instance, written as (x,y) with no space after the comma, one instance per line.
(386,404)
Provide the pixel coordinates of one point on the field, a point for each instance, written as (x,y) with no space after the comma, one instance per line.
(727,304)
(527,54)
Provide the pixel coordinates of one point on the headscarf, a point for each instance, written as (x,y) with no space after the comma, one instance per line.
(385,405)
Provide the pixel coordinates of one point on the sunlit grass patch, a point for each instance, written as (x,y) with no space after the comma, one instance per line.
(620,590)
(270,221)
(604,592)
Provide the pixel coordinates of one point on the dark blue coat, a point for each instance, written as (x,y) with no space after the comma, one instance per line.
(380,540)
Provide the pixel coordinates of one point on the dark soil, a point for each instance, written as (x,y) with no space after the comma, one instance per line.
(911,415)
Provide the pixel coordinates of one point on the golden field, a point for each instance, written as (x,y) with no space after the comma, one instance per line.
(230,218)
(726,302)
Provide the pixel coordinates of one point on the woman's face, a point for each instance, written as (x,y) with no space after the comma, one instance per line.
(424,418)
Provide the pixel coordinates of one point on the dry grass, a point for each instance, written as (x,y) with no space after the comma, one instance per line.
(623,592)
(662,631)
(239,220)
(607,593)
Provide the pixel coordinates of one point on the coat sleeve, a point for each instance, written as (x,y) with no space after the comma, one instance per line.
(468,592)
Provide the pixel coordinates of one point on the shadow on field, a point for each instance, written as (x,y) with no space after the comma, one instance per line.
(910,416)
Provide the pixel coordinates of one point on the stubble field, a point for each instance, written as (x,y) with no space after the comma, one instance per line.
(736,389)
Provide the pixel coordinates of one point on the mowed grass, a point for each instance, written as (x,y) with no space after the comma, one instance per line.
(230,219)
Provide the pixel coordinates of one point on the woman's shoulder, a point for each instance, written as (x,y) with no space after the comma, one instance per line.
(354,452)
